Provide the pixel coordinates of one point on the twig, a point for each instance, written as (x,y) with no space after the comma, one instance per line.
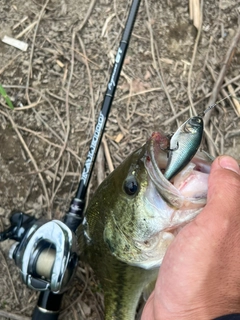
(107,154)
(100,165)
(89,60)
(87,15)
(201,73)
(9,63)
(67,93)
(30,106)
(38,134)
(194,13)
(28,192)
(236,103)
(121,23)
(106,24)
(138,93)
(211,143)
(54,133)
(229,55)
(192,109)
(155,64)
(30,156)
(151,35)
(61,99)
(165,87)
(32,49)
(19,23)
(27,95)
(46,99)
(89,80)
(9,276)
(225,93)
(61,180)
(74,313)
(55,177)
(9,315)
(177,115)
(26,30)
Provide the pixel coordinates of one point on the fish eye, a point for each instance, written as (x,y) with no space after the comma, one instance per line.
(130,185)
(193,124)
(195,121)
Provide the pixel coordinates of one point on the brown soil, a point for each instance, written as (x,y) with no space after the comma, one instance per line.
(57,87)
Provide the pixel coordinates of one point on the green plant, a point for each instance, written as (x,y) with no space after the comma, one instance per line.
(6,97)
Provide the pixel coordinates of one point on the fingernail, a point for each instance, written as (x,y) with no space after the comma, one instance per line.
(229,163)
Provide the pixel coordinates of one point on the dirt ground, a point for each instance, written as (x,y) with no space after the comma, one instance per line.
(57,88)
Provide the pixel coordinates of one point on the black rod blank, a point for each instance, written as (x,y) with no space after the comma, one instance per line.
(78,203)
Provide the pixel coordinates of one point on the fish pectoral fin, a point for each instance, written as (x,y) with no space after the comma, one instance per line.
(148,289)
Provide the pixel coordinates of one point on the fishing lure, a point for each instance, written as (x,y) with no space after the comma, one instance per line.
(185,143)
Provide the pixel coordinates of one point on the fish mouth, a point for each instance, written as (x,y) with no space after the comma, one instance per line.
(188,187)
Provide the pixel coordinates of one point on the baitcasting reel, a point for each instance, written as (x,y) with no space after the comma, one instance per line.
(45,252)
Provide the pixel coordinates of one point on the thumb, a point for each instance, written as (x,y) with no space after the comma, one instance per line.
(223,189)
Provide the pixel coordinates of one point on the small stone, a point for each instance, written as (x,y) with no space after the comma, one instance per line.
(86,309)
(57,68)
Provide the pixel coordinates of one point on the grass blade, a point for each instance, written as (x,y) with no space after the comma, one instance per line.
(6,97)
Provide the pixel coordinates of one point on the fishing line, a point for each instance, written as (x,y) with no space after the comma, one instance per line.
(212,106)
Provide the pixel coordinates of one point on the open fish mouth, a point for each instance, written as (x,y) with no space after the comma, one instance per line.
(187,187)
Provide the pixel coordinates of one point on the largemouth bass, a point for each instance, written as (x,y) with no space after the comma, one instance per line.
(133,217)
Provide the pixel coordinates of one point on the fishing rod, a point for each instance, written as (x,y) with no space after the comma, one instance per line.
(45,251)
(75,214)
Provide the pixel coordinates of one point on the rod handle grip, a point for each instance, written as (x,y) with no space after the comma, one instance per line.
(48,306)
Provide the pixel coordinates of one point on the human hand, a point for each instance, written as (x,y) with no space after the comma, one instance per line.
(200,274)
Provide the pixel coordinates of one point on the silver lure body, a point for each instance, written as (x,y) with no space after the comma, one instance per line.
(184,145)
